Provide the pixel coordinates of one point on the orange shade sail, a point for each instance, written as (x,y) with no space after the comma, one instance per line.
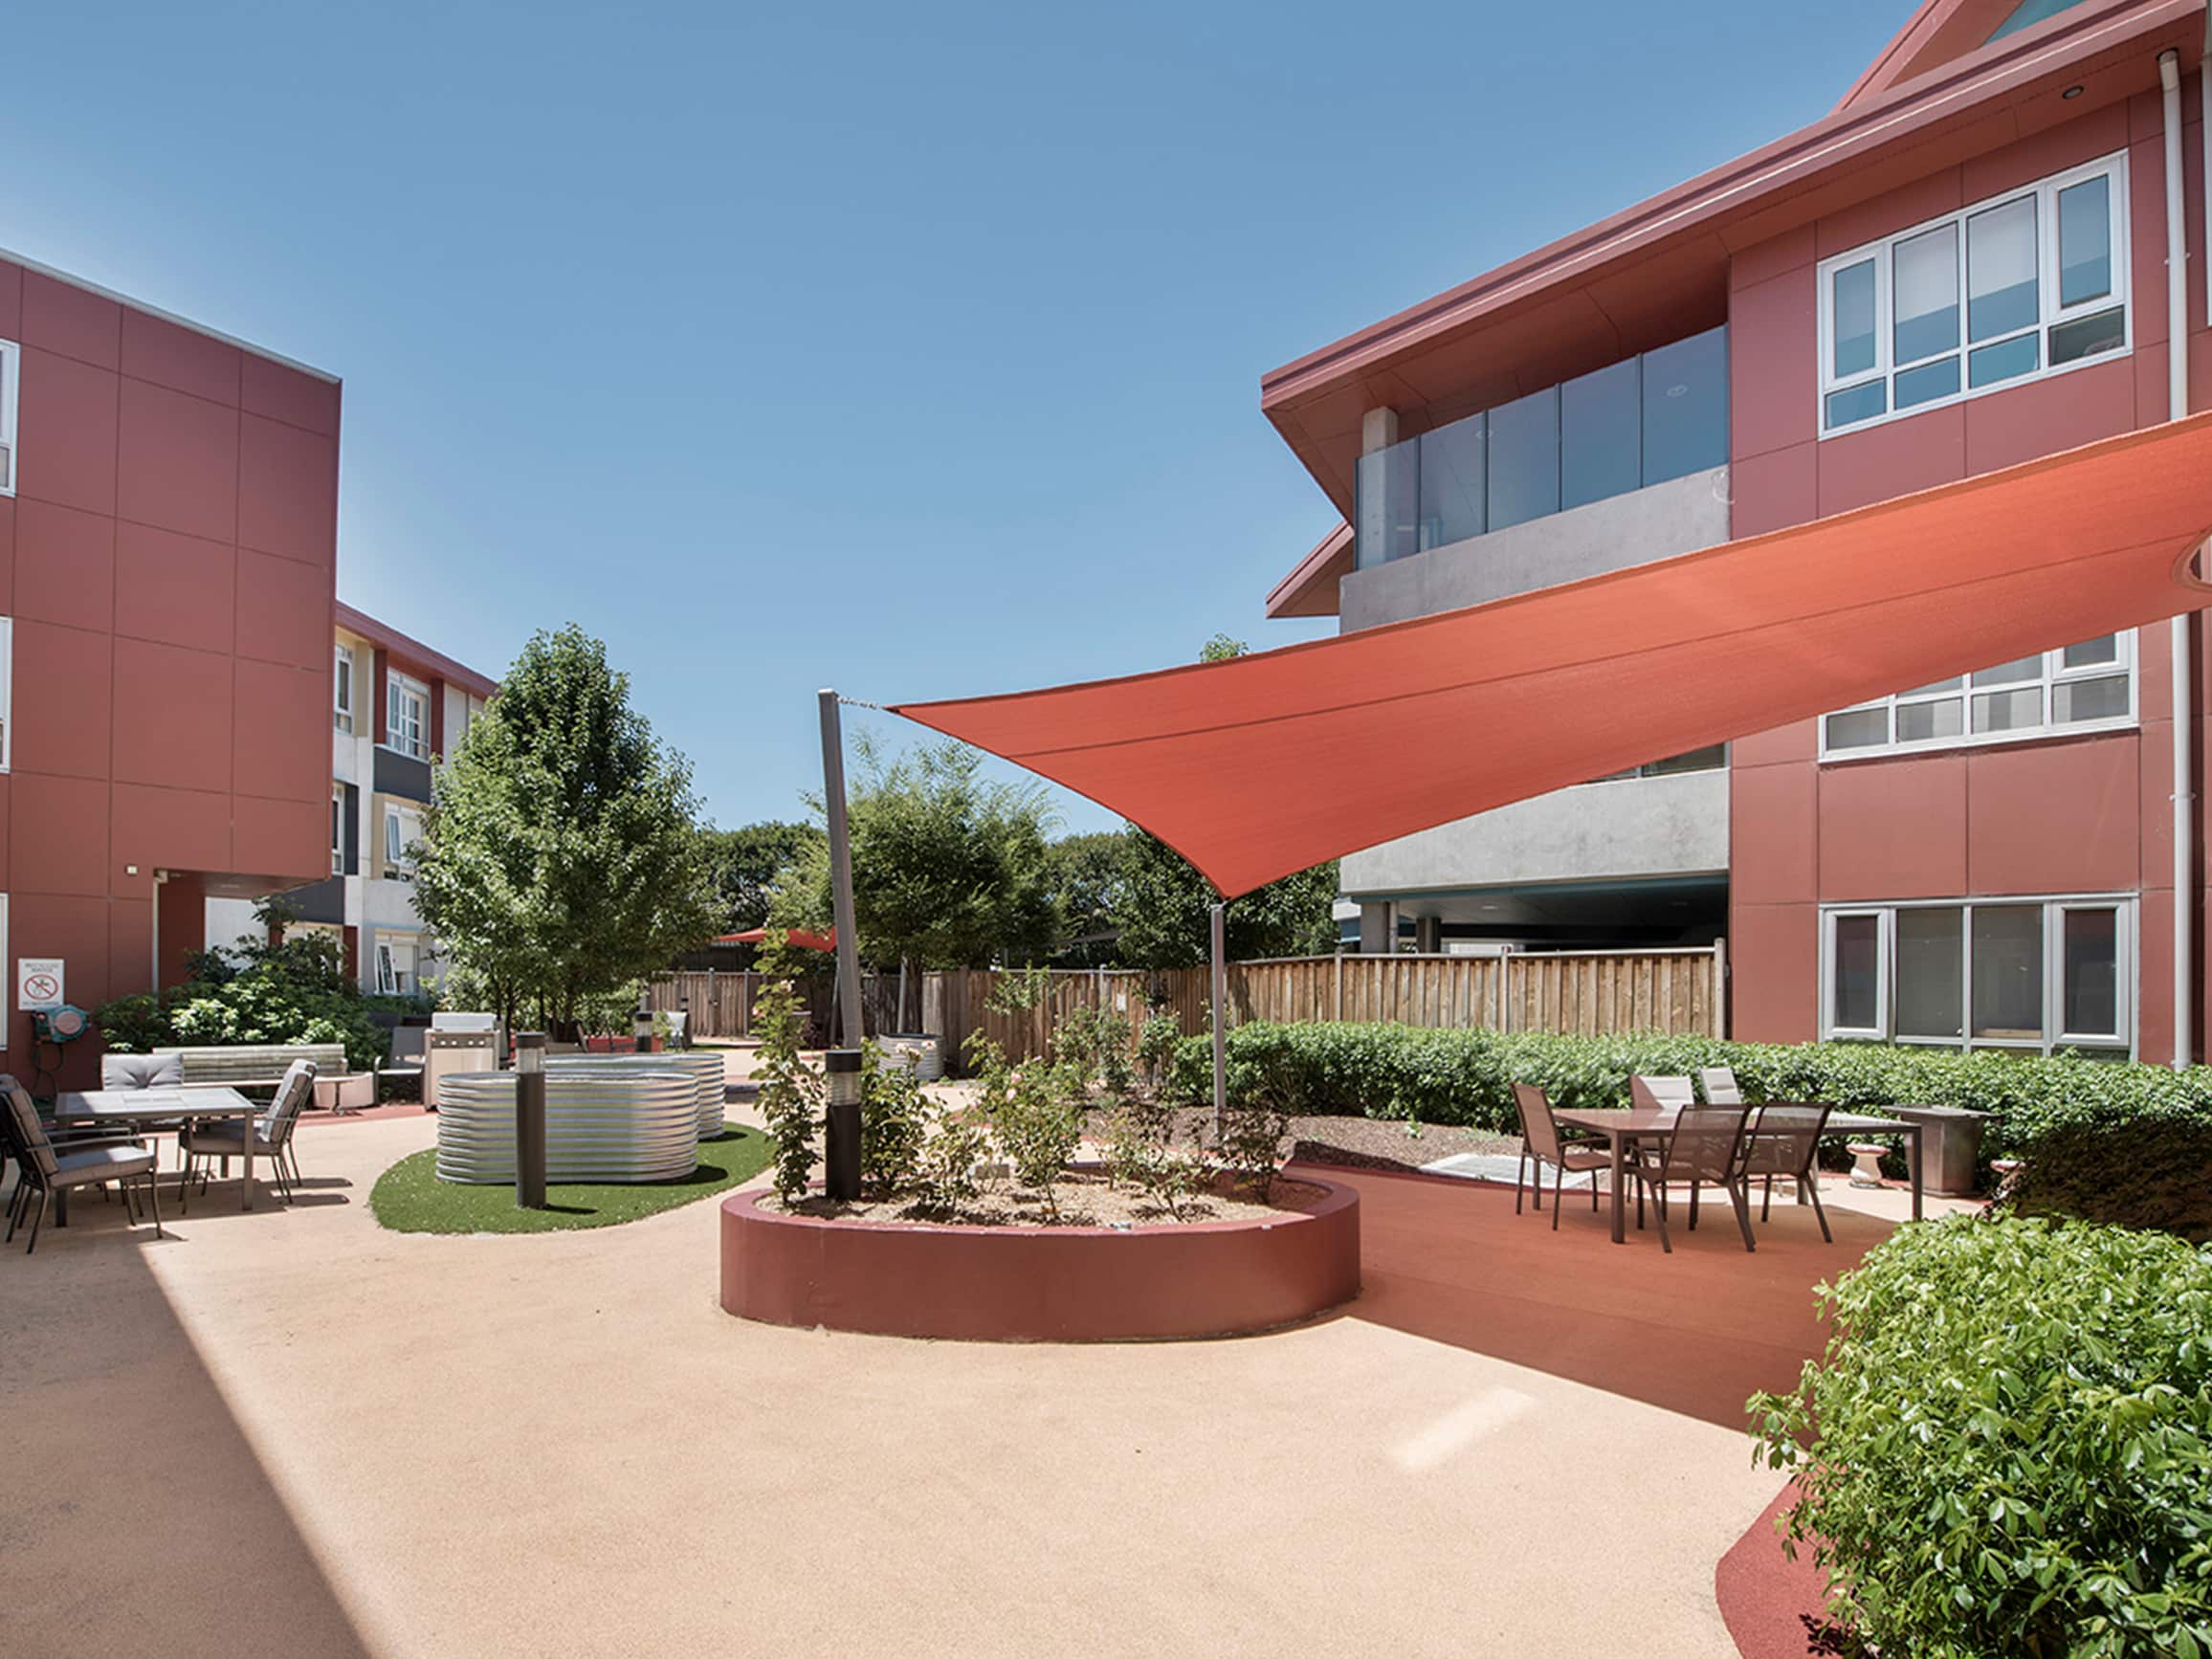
(1268,764)
(799,936)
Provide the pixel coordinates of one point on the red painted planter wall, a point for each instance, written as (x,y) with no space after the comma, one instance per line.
(2063,815)
(170,559)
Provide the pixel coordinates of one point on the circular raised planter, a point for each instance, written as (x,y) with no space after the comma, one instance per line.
(703,1068)
(616,1126)
(1044,1284)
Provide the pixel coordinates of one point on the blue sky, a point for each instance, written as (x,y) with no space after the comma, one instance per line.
(909,349)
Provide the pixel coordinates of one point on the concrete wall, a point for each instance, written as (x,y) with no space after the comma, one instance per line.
(168,559)
(2087,814)
(1628,827)
(1659,521)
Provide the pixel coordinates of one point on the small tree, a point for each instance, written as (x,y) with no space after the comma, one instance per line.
(791,1090)
(749,861)
(563,857)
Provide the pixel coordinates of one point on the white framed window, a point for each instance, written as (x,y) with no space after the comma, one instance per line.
(402,830)
(395,967)
(2033,974)
(338,828)
(2021,286)
(406,716)
(6,692)
(2088,687)
(341,688)
(10,379)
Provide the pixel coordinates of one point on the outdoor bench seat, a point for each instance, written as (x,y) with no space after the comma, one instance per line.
(264,1064)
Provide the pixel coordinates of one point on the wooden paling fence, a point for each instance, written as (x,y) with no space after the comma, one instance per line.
(1681,992)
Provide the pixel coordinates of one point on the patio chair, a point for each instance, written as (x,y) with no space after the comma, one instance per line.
(271,1134)
(1541,1142)
(1784,1140)
(1706,1148)
(1667,1093)
(46,1169)
(1721,1086)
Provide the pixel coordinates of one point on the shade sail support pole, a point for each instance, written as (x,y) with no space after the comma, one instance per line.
(840,872)
(1219,930)
(2177,630)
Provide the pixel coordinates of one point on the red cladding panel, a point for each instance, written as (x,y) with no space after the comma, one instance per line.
(1774,828)
(282,738)
(284,611)
(2056,817)
(11,301)
(1775,972)
(287,491)
(282,838)
(172,716)
(285,394)
(157,350)
(1893,828)
(64,566)
(178,463)
(190,827)
(57,840)
(66,432)
(63,695)
(73,322)
(176,589)
(7,555)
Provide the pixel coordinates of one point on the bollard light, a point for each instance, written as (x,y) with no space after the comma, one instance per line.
(641,1027)
(530,1121)
(843,1176)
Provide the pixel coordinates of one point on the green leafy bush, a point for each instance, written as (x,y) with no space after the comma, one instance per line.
(2155,1174)
(1466,1077)
(2003,1450)
(894,1121)
(791,1090)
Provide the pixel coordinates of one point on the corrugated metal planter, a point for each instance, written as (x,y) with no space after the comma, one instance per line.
(705,1070)
(626,1125)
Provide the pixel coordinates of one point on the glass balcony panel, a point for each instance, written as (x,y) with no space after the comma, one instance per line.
(1388,505)
(1686,406)
(2000,297)
(1454,481)
(1601,438)
(1524,459)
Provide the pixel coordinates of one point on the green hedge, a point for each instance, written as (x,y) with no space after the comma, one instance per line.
(1466,1077)
(2003,1450)
(2153,1174)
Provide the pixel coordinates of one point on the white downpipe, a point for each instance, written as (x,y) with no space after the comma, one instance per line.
(2177,631)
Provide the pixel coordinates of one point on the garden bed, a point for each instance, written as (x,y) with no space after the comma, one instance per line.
(1079,1198)
(890,1275)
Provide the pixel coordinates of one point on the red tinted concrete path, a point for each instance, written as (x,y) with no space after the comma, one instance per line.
(1694,1332)
(1776,1608)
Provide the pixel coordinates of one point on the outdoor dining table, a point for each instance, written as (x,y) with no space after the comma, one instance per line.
(1657,1123)
(149,1106)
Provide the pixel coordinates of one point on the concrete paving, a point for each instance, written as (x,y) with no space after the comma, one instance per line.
(290,1432)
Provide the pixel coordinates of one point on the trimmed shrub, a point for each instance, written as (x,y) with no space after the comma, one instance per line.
(2003,1450)
(1464,1076)
(2156,1173)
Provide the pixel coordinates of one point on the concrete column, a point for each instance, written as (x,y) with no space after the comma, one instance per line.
(1429,934)
(1378,928)
(1378,430)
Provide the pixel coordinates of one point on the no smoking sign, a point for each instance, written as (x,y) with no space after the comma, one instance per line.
(38,983)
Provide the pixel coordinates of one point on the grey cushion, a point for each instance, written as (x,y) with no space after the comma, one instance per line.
(225,1139)
(141,1071)
(79,1168)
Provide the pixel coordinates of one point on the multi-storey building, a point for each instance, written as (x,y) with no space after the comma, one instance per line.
(1963,266)
(395,705)
(167,556)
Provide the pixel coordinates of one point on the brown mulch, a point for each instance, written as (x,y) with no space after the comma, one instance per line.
(1082,1200)
(1378,1143)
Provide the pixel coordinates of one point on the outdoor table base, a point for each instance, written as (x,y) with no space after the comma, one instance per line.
(1656,1124)
(146,1107)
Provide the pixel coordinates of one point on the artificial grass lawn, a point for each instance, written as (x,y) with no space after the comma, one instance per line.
(409,1197)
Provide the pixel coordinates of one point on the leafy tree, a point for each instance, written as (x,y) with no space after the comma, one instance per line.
(948,867)
(1161,901)
(1084,873)
(1163,904)
(749,861)
(562,856)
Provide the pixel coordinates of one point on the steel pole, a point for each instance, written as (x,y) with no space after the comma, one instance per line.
(850,1034)
(1219,1016)
(530,1121)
